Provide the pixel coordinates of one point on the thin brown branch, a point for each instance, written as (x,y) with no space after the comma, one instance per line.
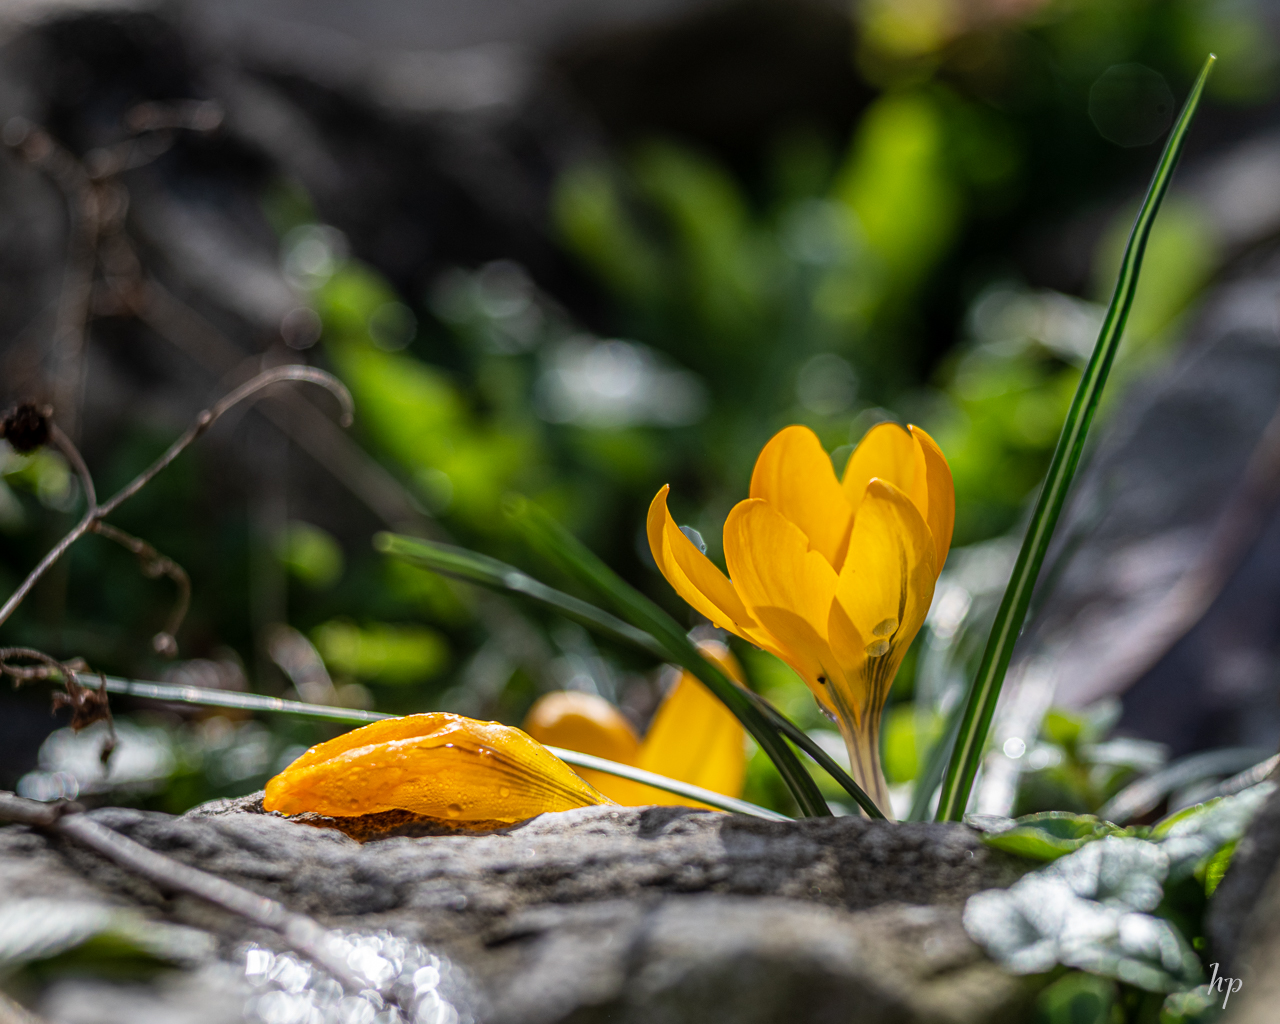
(301,933)
(87,705)
(202,423)
(299,418)
(73,456)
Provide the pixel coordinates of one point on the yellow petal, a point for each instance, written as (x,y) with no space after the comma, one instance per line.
(589,724)
(694,738)
(693,575)
(889,452)
(794,474)
(941,513)
(785,585)
(885,589)
(439,765)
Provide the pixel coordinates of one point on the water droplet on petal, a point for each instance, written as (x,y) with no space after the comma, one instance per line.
(885,627)
(453,810)
(877,648)
(504,791)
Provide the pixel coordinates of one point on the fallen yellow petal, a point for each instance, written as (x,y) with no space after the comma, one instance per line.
(439,765)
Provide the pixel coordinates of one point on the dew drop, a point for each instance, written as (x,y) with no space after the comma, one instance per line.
(504,791)
(885,627)
(453,810)
(877,648)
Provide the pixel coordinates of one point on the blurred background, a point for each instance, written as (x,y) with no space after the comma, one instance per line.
(578,250)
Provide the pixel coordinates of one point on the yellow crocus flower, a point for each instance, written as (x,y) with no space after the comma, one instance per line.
(834,576)
(693,737)
(437,764)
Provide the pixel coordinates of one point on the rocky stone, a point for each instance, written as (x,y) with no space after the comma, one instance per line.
(1254,862)
(1244,920)
(624,915)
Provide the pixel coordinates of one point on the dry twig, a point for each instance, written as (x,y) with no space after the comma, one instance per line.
(95,513)
(301,933)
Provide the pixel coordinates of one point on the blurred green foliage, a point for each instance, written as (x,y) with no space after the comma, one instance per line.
(895,270)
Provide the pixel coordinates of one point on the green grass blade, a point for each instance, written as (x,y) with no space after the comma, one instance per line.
(935,764)
(203,697)
(824,760)
(273,705)
(458,563)
(685,789)
(471,567)
(985,691)
(553,540)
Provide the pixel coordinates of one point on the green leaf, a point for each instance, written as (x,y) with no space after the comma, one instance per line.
(987,683)
(1211,872)
(550,538)
(1195,834)
(1045,836)
(1200,1005)
(1077,998)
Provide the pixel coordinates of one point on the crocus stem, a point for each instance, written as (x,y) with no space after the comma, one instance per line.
(864,766)
(861,734)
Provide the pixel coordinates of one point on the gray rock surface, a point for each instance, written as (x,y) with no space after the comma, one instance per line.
(622,915)
(1231,918)
(1244,920)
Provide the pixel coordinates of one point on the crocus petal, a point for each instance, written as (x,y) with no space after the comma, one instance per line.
(589,724)
(889,452)
(787,586)
(886,586)
(693,575)
(794,474)
(695,738)
(941,513)
(440,765)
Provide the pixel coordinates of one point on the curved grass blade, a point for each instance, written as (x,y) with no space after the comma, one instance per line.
(549,537)
(256,702)
(471,567)
(935,764)
(985,691)
(671,645)
(706,796)
(824,760)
